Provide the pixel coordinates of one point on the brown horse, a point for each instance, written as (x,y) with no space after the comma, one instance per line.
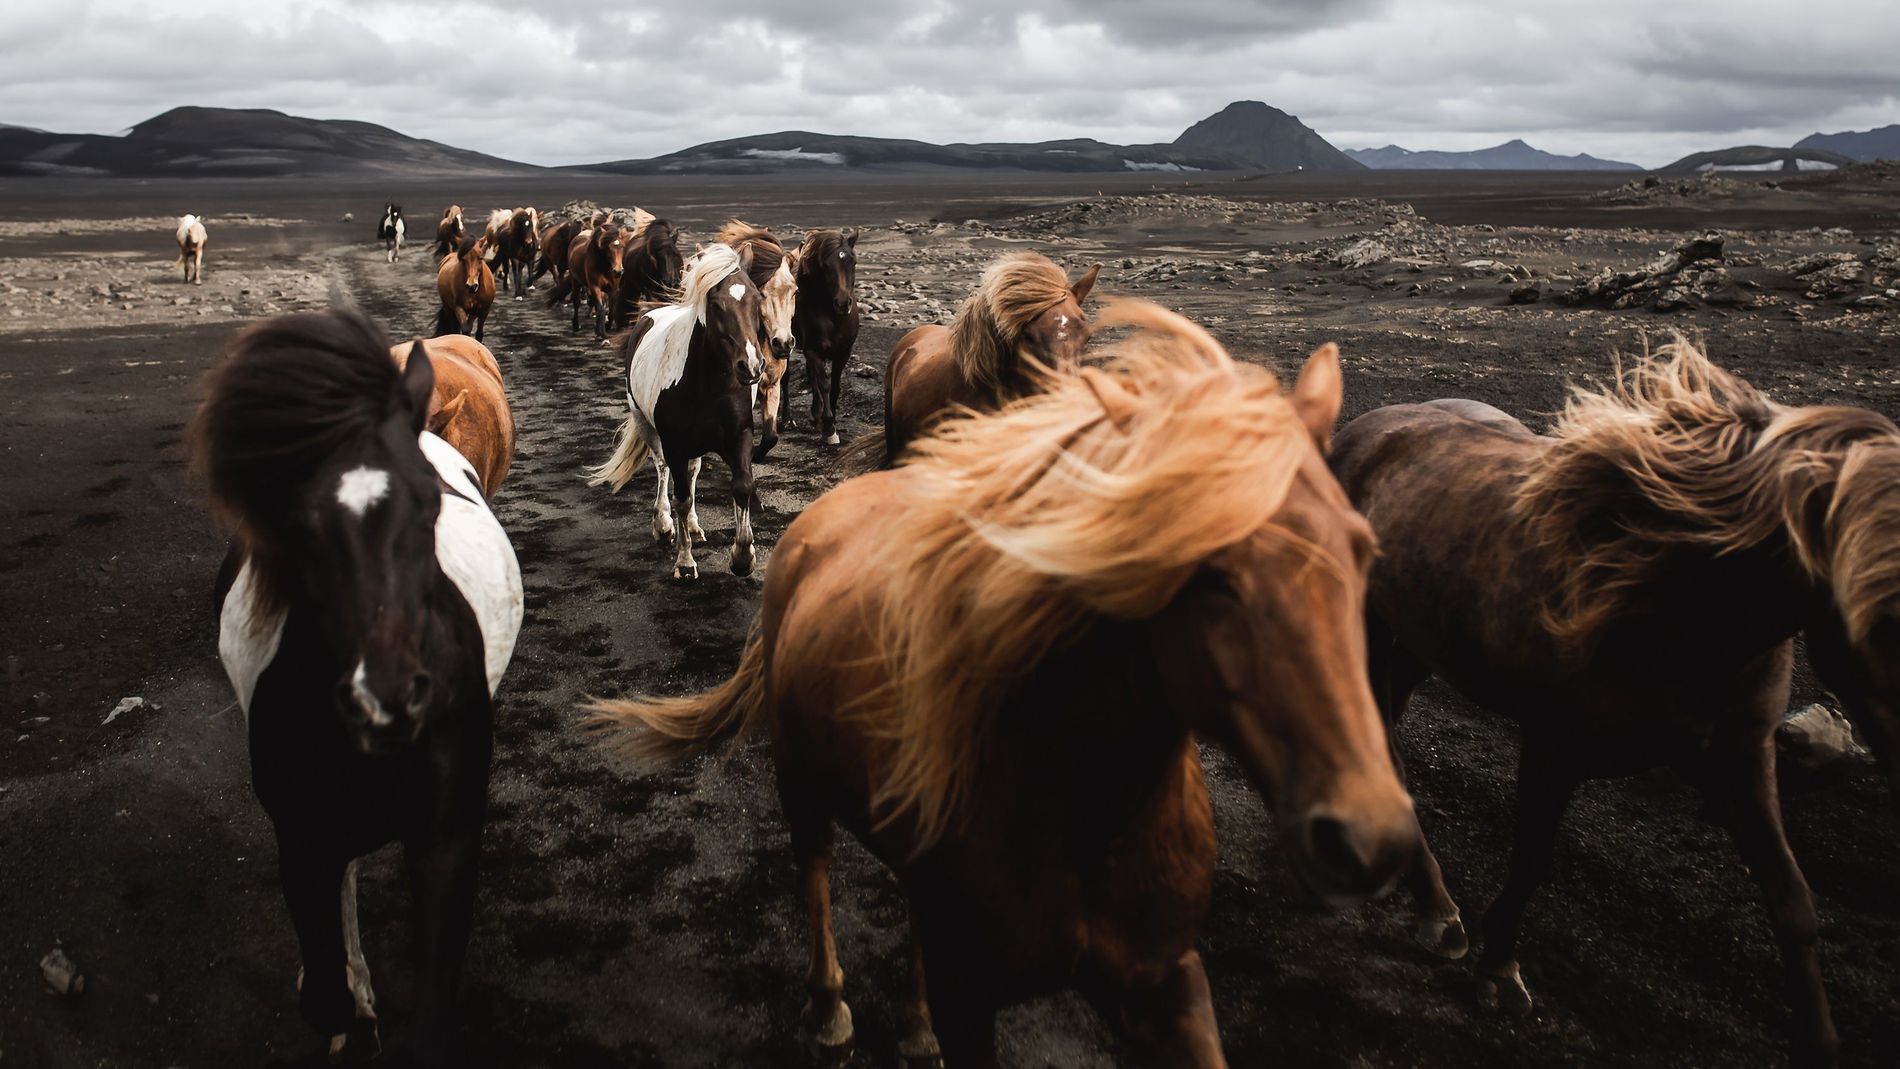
(515,237)
(991,665)
(1025,315)
(467,289)
(448,232)
(469,407)
(1640,573)
(595,261)
(554,239)
(825,319)
(771,272)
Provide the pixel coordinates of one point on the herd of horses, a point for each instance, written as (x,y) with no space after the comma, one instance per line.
(989,653)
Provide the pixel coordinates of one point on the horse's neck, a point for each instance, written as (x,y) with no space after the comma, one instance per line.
(708,367)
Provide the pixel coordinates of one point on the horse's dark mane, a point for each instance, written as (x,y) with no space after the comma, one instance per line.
(292,391)
(767,252)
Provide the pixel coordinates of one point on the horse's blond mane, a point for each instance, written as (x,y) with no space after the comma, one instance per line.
(1679,453)
(1011,294)
(707,268)
(1096,497)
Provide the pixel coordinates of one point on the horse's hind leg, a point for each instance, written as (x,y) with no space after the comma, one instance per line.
(739,459)
(1395,673)
(825,1020)
(1544,788)
(1742,763)
(684,566)
(363,1036)
(916,1039)
(662,500)
(693,529)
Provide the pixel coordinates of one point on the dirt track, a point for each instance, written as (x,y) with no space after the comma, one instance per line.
(653,920)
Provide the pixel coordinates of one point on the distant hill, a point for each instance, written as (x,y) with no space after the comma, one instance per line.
(1513,155)
(1759,158)
(1864,145)
(1266,137)
(240,143)
(1246,136)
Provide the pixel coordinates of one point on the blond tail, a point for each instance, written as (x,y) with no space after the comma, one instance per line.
(667,730)
(629,453)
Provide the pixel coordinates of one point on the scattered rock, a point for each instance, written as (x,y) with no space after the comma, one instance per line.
(1362,253)
(1828,274)
(1526,294)
(62,977)
(1817,739)
(128,705)
(1689,273)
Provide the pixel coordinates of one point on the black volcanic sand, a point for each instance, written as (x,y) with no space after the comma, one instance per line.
(652,919)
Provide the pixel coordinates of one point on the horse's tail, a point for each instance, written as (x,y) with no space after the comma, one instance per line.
(629,453)
(673,729)
(865,454)
(446,322)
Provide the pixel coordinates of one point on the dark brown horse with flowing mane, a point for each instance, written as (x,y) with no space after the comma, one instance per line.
(595,261)
(771,272)
(825,319)
(1639,573)
(1025,315)
(449,231)
(653,265)
(991,666)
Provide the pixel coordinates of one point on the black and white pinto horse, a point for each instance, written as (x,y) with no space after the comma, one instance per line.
(692,378)
(825,319)
(367,609)
(391,231)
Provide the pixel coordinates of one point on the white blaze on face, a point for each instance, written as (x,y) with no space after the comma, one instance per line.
(362,488)
(752,358)
(366,701)
(1062,326)
(737,291)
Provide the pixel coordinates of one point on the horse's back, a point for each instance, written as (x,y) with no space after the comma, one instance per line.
(483,429)
(1436,432)
(920,382)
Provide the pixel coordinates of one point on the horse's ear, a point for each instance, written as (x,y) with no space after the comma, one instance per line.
(745,258)
(851,239)
(1083,285)
(418,384)
(1318,394)
(440,419)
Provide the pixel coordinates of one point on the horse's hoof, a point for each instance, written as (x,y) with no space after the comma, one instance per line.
(919,1052)
(1445,938)
(360,1044)
(742,561)
(832,438)
(1504,992)
(685,571)
(831,1036)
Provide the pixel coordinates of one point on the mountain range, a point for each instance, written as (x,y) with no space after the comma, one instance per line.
(240,143)
(1245,136)
(1513,155)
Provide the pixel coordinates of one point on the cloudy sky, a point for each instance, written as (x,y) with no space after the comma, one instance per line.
(567,81)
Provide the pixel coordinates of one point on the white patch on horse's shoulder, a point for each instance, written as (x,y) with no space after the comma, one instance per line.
(361,488)
(248,634)
(737,291)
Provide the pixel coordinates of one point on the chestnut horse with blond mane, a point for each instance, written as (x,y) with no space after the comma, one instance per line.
(771,272)
(469,406)
(992,663)
(449,231)
(1641,572)
(1025,315)
(467,289)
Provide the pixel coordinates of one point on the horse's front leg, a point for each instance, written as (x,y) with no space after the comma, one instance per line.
(1173,1016)
(769,404)
(739,459)
(313,891)
(1544,788)
(917,1046)
(575,292)
(834,401)
(815,381)
(443,873)
(662,501)
(693,530)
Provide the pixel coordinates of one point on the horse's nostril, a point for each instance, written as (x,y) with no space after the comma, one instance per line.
(421,689)
(1338,850)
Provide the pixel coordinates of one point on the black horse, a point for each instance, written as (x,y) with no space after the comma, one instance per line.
(825,319)
(391,231)
(653,265)
(692,375)
(367,608)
